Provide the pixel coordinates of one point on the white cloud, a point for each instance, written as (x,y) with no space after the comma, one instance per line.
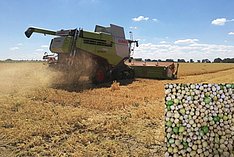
(19,44)
(231,33)
(17,47)
(155,20)
(221,21)
(38,50)
(193,51)
(133,27)
(140,18)
(44,46)
(14,48)
(162,42)
(186,41)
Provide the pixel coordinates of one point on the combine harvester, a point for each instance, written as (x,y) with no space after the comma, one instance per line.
(103,55)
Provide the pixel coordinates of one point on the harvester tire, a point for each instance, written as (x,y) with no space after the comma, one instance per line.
(100,75)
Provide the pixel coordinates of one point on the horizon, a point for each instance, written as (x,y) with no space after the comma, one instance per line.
(179,60)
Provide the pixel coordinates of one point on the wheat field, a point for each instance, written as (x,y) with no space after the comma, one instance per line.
(40,119)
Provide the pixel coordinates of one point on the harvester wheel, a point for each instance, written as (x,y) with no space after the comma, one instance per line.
(100,75)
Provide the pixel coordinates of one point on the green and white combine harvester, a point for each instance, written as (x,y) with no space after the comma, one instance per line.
(103,55)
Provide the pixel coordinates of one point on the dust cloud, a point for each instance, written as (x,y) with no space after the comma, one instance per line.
(24,77)
(78,74)
(21,77)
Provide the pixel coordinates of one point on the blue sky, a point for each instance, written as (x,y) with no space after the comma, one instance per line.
(165,28)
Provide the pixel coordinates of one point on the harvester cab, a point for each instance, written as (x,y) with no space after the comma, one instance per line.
(102,54)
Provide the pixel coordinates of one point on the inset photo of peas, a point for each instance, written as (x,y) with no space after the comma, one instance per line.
(199,120)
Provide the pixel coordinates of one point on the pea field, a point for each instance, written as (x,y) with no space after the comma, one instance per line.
(39,118)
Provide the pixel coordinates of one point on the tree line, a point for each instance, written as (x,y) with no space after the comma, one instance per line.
(22,60)
(216,60)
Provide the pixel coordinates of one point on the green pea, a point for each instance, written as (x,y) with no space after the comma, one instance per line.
(175,130)
(185,144)
(169,103)
(181,129)
(216,118)
(182,111)
(205,129)
(169,123)
(207,100)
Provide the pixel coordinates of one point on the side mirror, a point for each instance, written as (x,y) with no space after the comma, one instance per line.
(137,44)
